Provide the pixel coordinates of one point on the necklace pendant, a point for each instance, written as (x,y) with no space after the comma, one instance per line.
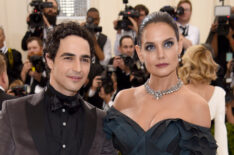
(157,97)
(158,94)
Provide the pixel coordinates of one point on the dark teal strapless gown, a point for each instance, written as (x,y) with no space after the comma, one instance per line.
(167,137)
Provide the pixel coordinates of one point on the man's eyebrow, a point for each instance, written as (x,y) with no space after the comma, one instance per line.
(86,56)
(67,54)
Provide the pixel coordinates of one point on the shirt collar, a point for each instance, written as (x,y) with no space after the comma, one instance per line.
(186,25)
(4,49)
(2,88)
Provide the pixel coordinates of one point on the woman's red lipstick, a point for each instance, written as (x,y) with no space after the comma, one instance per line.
(161,65)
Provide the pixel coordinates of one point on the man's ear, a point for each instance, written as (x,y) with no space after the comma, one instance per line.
(139,53)
(2,77)
(49,61)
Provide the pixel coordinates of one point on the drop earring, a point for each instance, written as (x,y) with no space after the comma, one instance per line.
(142,65)
(179,58)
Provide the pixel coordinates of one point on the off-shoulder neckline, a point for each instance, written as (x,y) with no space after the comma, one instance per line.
(156,124)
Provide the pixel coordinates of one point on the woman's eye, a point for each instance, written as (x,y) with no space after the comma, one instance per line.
(149,47)
(169,44)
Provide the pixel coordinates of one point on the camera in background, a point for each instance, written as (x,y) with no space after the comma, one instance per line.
(124,23)
(37,63)
(93,28)
(139,74)
(36,18)
(20,90)
(224,18)
(172,11)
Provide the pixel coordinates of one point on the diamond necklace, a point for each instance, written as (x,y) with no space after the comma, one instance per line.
(158,94)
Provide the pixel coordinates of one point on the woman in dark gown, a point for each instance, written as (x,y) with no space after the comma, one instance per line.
(161,117)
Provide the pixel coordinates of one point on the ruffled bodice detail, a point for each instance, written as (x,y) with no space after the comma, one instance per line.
(167,137)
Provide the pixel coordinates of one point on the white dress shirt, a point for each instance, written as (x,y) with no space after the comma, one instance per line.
(2,88)
(193,33)
(4,49)
(107,52)
(217,112)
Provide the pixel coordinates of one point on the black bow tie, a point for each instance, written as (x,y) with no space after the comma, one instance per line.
(58,101)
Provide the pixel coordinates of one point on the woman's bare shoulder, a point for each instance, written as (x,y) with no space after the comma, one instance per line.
(198,108)
(126,98)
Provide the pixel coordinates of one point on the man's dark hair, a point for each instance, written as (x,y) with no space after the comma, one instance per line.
(123,37)
(39,41)
(63,30)
(92,10)
(141,7)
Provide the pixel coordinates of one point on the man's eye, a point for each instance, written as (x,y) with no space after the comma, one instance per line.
(68,58)
(86,60)
(149,47)
(168,44)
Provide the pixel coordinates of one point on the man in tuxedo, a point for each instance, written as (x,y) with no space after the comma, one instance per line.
(3,81)
(57,120)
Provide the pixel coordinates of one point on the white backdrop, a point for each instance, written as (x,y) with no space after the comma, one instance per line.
(13,15)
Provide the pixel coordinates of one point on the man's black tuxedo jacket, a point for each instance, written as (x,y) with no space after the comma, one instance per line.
(22,128)
(4,96)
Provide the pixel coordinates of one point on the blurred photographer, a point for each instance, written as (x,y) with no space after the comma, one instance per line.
(221,38)
(13,58)
(126,45)
(123,61)
(17,88)
(33,71)
(230,91)
(41,20)
(189,33)
(101,41)
(106,91)
(3,81)
(128,23)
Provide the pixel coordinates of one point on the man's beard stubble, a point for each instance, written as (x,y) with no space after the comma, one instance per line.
(51,19)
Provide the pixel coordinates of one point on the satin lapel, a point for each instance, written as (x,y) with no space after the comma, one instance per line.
(90,121)
(35,113)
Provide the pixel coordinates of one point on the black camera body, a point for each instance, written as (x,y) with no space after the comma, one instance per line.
(136,70)
(36,18)
(172,12)
(224,24)
(128,61)
(125,22)
(38,63)
(224,18)
(106,78)
(90,26)
(19,90)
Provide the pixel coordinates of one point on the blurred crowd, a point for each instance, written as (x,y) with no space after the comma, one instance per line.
(118,68)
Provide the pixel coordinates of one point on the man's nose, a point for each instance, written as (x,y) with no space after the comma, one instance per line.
(77,66)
